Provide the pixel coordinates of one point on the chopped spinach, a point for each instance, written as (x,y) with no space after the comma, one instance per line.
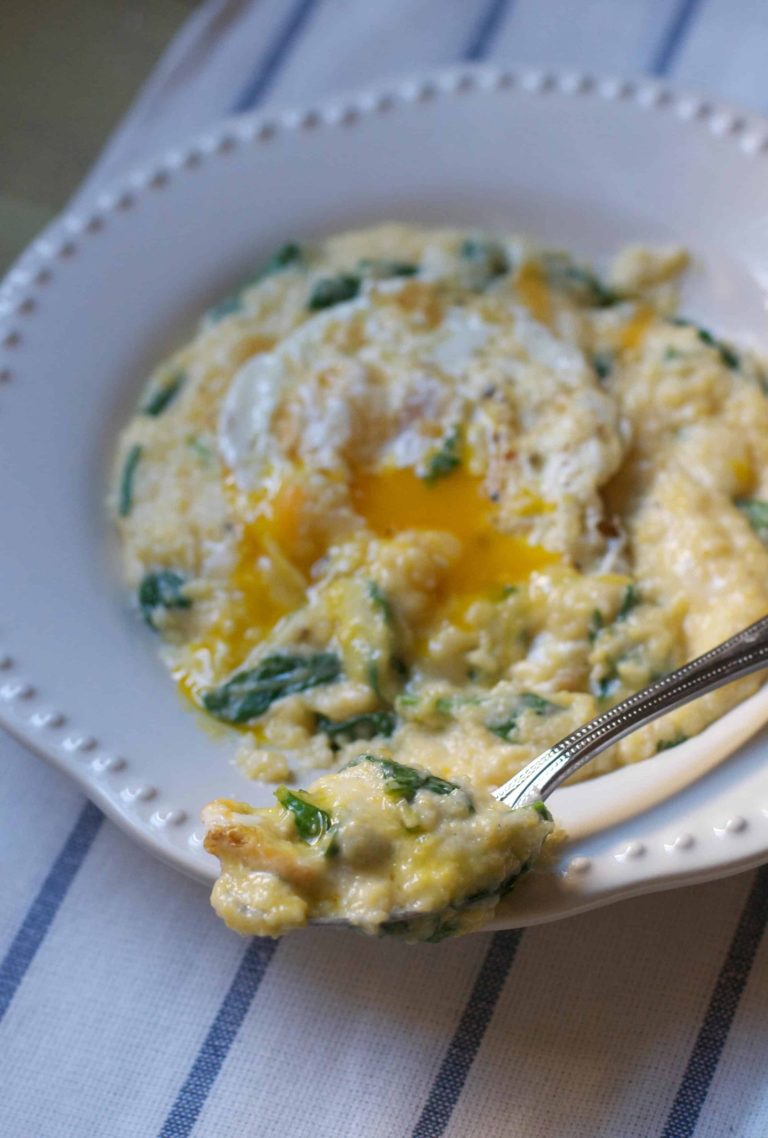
(333,290)
(445,459)
(226,307)
(408,700)
(630,600)
(203,452)
(727,354)
(542,810)
(403,782)
(125,497)
(250,693)
(367,725)
(675,741)
(442,932)
(448,704)
(602,362)
(311,822)
(608,684)
(374,679)
(394,928)
(502,889)
(382,268)
(579,282)
(288,254)
(488,256)
(596,626)
(382,602)
(163,396)
(525,701)
(160,591)
(755,510)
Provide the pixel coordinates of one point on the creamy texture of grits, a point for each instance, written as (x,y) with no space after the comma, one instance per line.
(442,497)
(391,849)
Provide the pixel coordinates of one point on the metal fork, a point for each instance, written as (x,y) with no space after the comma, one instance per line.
(745,652)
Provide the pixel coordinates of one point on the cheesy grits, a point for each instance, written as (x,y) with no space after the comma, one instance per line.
(391,849)
(438,498)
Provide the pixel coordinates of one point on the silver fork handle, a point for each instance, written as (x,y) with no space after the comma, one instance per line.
(745,652)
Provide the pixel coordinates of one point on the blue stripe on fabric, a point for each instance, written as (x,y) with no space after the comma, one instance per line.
(271,62)
(47,903)
(673,37)
(468,1036)
(221,1035)
(711,1039)
(486,30)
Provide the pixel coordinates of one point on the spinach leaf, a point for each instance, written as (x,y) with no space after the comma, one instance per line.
(755,510)
(311,822)
(608,684)
(162,398)
(596,626)
(226,307)
(403,782)
(525,701)
(488,256)
(382,268)
(374,679)
(630,600)
(727,354)
(675,741)
(584,286)
(382,602)
(248,694)
(163,589)
(125,497)
(444,460)
(364,726)
(443,931)
(394,928)
(333,290)
(203,452)
(602,362)
(542,810)
(286,255)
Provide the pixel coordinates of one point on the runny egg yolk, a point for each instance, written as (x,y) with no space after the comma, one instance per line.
(396,499)
(270,576)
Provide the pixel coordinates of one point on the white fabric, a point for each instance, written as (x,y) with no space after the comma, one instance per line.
(130,1011)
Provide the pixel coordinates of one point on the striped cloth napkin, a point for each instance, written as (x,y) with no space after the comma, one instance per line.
(127,1009)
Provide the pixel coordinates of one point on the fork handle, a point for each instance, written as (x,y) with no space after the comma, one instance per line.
(745,652)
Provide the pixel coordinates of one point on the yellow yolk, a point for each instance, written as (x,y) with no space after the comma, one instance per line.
(269,578)
(396,499)
(533,291)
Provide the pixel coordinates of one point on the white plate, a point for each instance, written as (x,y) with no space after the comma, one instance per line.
(589,164)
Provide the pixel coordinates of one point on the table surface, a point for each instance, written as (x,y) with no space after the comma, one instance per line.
(126,1009)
